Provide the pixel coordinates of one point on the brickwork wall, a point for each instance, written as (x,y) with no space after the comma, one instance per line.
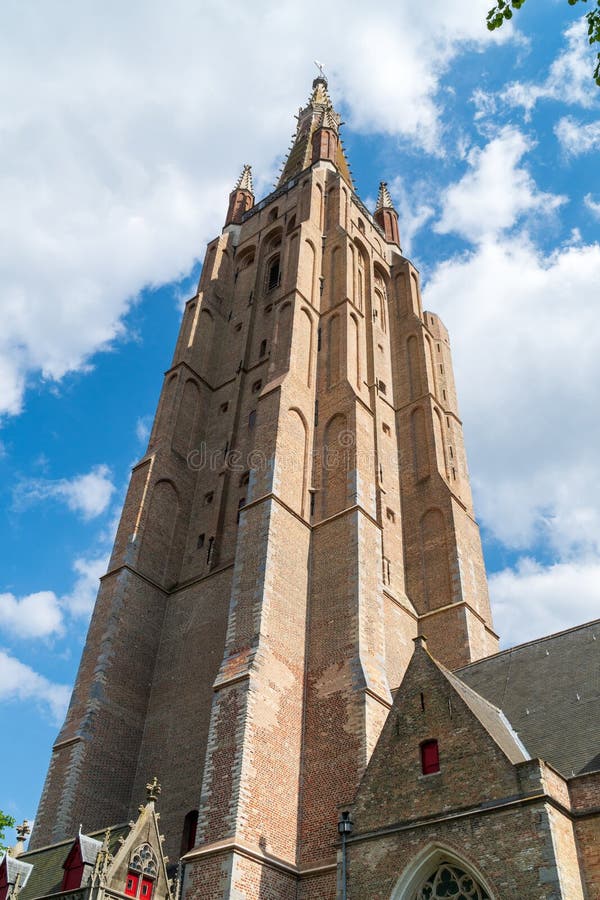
(442,548)
(488,815)
(89,780)
(305,452)
(585,798)
(512,849)
(322,886)
(565,852)
(180,701)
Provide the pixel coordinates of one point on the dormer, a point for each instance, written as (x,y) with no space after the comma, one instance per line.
(80,862)
(14,875)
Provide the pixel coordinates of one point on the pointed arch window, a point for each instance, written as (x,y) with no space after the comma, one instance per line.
(188,838)
(142,872)
(451,883)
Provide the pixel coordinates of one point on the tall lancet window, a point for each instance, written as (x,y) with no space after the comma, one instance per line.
(381,299)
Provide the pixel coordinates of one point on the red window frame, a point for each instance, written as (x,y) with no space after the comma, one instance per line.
(430,757)
(131,884)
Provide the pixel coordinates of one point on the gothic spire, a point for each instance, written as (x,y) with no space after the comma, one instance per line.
(244,182)
(385,214)
(384,200)
(241,199)
(318,115)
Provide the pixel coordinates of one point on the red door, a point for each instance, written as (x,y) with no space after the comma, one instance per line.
(147,885)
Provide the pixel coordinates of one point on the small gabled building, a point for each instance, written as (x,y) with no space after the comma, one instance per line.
(457,802)
(14,875)
(125,861)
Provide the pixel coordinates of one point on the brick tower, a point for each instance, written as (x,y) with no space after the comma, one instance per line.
(303,510)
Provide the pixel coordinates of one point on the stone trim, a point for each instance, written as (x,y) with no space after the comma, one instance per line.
(490,807)
(60,745)
(434,612)
(130,568)
(271,496)
(344,512)
(222,847)
(397,602)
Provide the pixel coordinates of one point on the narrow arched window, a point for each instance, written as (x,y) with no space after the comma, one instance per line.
(273,273)
(430,757)
(241,505)
(188,837)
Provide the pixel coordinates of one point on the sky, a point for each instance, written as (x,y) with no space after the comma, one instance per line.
(123,127)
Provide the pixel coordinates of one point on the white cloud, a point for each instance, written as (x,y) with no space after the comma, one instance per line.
(592,205)
(120,145)
(413,211)
(89,494)
(33,616)
(80,601)
(576,138)
(531,600)
(485,103)
(527,363)
(569,79)
(19,682)
(42,614)
(496,192)
(143,427)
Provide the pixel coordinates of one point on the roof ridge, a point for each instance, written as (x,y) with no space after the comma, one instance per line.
(70,840)
(545,637)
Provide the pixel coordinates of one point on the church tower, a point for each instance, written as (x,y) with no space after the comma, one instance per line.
(302,512)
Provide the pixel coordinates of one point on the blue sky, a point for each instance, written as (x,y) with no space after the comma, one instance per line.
(123,130)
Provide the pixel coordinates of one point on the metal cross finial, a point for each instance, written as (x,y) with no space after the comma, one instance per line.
(153,789)
(321,68)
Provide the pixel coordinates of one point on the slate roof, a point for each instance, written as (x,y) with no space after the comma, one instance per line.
(47,874)
(493,720)
(17,868)
(549,690)
(89,849)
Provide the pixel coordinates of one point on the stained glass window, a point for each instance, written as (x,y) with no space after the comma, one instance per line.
(449,882)
(143,860)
